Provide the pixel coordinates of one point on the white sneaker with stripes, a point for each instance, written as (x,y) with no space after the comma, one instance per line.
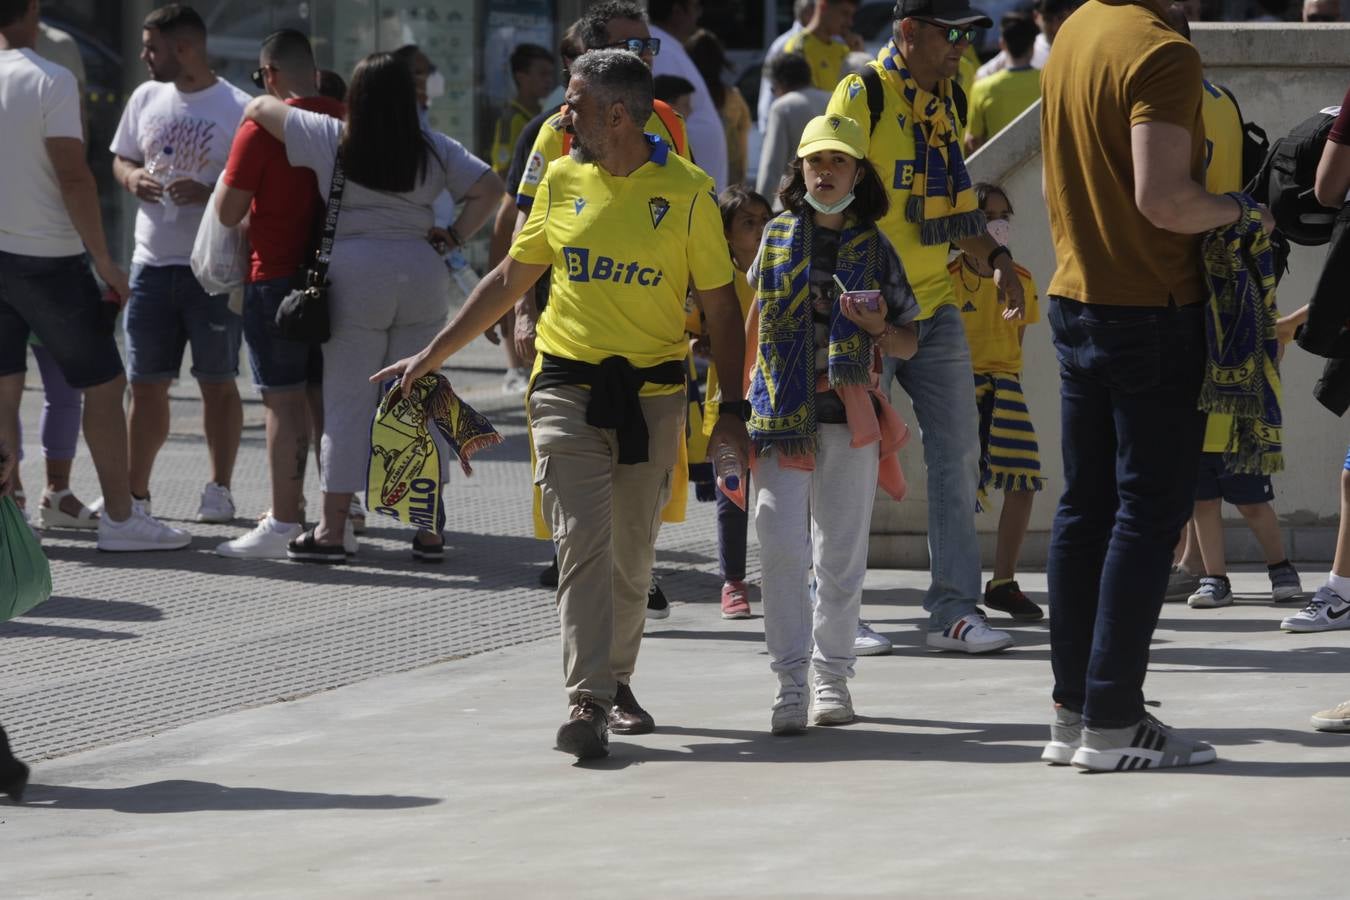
(1147,744)
(969,634)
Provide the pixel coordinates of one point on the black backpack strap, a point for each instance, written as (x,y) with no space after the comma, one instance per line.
(876,98)
(961,102)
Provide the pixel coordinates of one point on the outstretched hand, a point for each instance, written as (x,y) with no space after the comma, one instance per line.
(407,371)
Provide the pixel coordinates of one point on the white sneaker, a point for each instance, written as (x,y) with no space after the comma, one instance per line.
(1147,744)
(831,703)
(356,515)
(515,381)
(1327,611)
(263,542)
(139,532)
(217,504)
(969,634)
(349,544)
(869,643)
(789,711)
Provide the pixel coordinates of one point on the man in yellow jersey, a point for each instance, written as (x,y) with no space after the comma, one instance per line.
(534,74)
(818,41)
(997,100)
(627,227)
(1209,586)
(916,150)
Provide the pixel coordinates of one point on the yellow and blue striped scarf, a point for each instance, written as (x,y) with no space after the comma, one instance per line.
(1241,377)
(942,199)
(783,382)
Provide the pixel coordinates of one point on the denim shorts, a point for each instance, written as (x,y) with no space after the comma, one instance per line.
(278,364)
(57,299)
(168,310)
(1239,489)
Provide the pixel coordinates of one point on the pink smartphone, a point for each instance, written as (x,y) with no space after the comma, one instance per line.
(865,299)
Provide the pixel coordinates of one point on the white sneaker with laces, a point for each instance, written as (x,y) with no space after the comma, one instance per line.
(969,634)
(1147,744)
(356,515)
(217,505)
(139,532)
(869,643)
(1327,612)
(263,542)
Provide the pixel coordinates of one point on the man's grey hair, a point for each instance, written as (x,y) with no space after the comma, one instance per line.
(617,76)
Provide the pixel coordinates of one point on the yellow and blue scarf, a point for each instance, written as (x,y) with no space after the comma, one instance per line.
(1241,377)
(404,479)
(783,382)
(942,199)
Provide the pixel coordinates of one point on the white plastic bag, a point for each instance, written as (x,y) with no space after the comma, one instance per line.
(220,255)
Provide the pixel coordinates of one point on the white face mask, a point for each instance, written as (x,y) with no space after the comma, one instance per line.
(831,208)
(1000,230)
(435,85)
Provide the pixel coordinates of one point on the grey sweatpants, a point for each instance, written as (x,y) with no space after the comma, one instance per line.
(388,299)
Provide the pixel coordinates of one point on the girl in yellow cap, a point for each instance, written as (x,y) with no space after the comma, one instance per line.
(831,298)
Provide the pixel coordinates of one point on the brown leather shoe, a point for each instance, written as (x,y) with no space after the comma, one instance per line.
(626,716)
(585,734)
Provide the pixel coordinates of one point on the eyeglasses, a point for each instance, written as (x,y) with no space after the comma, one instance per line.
(637,45)
(258,75)
(955,33)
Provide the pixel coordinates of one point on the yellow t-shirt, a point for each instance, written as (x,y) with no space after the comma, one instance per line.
(891,151)
(624,252)
(548,146)
(994,342)
(826,58)
(1223,141)
(510,124)
(997,100)
(965,77)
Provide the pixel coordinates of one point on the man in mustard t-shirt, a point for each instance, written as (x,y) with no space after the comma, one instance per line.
(819,41)
(628,228)
(915,137)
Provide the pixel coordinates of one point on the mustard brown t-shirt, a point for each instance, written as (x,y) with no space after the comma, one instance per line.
(1117,64)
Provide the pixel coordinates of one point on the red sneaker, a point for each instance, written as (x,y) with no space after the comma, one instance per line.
(735,604)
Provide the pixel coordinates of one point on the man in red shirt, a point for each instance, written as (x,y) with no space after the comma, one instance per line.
(283,205)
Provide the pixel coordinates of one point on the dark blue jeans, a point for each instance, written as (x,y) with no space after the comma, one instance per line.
(1129,380)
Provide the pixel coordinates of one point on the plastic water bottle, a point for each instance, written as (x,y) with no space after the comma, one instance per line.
(464,275)
(730,475)
(163,170)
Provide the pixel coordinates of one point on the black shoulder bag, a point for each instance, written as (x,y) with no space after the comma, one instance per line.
(303,314)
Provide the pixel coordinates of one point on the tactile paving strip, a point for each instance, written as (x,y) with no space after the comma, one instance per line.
(135,644)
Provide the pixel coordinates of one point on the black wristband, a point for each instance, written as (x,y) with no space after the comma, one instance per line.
(998,251)
(738,408)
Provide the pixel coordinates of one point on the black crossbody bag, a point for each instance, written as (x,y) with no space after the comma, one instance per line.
(303,314)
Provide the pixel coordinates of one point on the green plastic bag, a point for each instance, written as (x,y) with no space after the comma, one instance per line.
(25,574)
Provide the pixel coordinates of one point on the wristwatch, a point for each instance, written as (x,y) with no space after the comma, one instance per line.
(738,408)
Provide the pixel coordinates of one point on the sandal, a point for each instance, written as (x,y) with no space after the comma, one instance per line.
(429,553)
(51,515)
(306,548)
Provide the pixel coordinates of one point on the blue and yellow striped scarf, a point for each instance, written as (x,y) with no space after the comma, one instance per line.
(1241,377)
(942,199)
(783,381)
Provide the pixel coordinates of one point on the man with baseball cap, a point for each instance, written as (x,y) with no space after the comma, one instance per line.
(915,146)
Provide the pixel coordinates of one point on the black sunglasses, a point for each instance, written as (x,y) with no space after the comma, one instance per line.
(258,74)
(955,33)
(637,45)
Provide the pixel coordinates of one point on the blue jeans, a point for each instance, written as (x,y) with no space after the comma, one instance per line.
(278,364)
(1129,380)
(167,311)
(937,380)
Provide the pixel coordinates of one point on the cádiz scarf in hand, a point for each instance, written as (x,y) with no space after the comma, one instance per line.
(783,380)
(404,479)
(942,199)
(1241,378)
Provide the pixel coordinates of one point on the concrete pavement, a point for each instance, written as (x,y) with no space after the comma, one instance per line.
(207,728)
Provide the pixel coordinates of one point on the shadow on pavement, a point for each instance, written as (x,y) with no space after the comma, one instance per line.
(205,796)
(17,629)
(96,610)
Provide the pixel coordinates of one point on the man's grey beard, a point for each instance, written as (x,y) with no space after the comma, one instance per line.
(582,153)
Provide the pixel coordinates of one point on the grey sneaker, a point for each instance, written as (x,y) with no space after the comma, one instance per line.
(789,711)
(868,643)
(1181,584)
(1285,583)
(1212,593)
(1066,734)
(1147,744)
(830,700)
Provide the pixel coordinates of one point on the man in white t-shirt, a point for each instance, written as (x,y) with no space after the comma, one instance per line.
(49,218)
(673,22)
(171,146)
